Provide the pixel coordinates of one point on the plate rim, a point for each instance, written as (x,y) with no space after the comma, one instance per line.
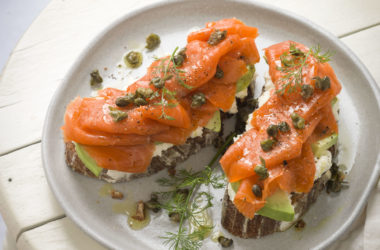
(152,5)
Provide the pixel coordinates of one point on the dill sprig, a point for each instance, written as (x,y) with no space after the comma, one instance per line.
(293,63)
(189,205)
(178,73)
(316,51)
(166,70)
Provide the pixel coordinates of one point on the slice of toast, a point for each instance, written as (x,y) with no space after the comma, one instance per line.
(237,224)
(170,157)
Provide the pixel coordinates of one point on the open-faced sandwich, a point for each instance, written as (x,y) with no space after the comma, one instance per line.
(278,167)
(170,113)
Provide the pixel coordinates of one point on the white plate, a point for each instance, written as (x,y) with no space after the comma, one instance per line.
(359,123)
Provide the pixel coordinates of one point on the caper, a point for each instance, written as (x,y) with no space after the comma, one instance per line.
(267,144)
(322,83)
(294,51)
(219,73)
(180,57)
(121,102)
(178,60)
(225,242)
(272,130)
(261,171)
(153,205)
(298,121)
(182,193)
(157,82)
(117,115)
(139,101)
(96,79)
(256,190)
(176,217)
(217,36)
(307,91)
(144,92)
(133,59)
(198,100)
(152,41)
(154,197)
(286,60)
(283,127)
(125,100)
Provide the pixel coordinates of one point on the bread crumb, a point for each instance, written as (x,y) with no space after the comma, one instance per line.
(117,195)
(140,211)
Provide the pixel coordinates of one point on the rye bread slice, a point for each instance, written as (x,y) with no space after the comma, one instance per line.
(167,160)
(173,155)
(237,224)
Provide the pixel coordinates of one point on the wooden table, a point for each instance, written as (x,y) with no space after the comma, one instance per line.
(37,66)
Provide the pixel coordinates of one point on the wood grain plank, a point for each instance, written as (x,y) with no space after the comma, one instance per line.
(60,234)
(340,17)
(366,45)
(56,38)
(26,200)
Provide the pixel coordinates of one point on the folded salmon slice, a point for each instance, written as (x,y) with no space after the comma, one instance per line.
(296,176)
(232,26)
(221,92)
(73,131)
(290,162)
(132,159)
(88,120)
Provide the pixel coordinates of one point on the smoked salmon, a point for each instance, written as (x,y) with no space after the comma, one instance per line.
(305,85)
(118,128)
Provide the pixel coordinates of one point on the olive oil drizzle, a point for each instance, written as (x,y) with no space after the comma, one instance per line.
(128,207)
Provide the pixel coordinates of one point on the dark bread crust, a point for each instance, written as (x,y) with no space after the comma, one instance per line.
(237,224)
(168,159)
(171,156)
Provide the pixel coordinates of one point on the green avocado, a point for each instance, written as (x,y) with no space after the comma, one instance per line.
(278,207)
(87,160)
(235,186)
(215,123)
(246,79)
(322,145)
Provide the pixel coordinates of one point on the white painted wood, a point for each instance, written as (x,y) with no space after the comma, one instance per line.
(25,197)
(53,42)
(366,44)
(41,60)
(338,16)
(61,234)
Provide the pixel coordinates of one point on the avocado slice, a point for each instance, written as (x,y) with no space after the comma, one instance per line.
(235,186)
(215,123)
(87,160)
(322,145)
(245,79)
(278,207)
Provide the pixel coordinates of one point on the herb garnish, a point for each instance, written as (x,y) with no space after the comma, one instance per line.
(185,205)
(166,70)
(293,63)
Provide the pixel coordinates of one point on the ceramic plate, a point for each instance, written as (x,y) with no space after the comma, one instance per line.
(359,119)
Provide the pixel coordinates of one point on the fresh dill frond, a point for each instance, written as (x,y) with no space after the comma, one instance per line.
(316,51)
(294,62)
(183,200)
